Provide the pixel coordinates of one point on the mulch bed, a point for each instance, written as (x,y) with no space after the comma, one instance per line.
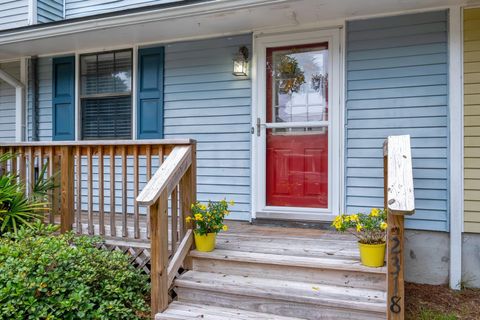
(421,299)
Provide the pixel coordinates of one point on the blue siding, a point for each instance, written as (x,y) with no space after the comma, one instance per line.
(14,13)
(49,10)
(44,112)
(7,102)
(82,8)
(204,101)
(397,84)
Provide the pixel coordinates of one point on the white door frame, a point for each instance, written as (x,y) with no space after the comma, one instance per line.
(261,43)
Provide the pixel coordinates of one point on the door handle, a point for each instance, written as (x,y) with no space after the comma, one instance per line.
(259,124)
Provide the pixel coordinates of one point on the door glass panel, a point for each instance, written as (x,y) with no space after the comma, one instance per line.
(297,157)
(297,83)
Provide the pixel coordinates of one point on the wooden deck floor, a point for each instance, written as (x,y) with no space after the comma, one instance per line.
(235,228)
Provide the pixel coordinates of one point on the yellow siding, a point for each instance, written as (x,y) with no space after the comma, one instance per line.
(472,119)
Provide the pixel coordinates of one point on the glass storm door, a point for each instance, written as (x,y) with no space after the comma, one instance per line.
(297,126)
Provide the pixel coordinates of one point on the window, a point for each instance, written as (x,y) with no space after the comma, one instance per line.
(106,95)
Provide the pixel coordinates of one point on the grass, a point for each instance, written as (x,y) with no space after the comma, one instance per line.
(428,314)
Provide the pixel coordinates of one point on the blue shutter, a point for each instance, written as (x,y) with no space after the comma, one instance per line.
(150,93)
(63,98)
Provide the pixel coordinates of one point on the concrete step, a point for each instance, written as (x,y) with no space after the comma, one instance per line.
(308,300)
(186,311)
(320,270)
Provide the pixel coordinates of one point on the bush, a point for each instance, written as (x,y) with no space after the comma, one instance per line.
(16,208)
(43,276)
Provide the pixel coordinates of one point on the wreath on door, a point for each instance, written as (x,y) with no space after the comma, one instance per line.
(289,74)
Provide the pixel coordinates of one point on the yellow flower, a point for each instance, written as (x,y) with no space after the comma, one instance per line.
(192,206)
(198,217)
(359,227)
(225,228)
(231,202)
(374,212)
(203,207)
(188,219)
(354,217)
(383,225)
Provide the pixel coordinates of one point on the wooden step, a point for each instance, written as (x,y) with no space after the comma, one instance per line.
(342,272)
(185,311)
(280,297)
(293,246)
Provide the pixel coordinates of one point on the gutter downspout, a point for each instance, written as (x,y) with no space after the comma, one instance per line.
(19,104)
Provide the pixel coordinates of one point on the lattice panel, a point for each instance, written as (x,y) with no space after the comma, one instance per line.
(139,257)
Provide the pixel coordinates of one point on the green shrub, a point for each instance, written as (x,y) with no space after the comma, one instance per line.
(16,208)
(43,276)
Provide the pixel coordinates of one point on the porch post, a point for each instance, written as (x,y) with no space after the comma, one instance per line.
(19,99)
(456,146)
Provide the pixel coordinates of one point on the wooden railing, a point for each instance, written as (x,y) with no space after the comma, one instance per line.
(98,194)
(399,201)
(98,182)
(177,172)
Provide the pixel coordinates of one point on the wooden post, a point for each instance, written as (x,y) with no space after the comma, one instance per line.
(67,189)
(399,201)
(159,254)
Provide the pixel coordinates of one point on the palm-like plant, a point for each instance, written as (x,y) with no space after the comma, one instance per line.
(16,208)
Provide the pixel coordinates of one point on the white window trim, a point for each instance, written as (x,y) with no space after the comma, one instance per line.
(260,42)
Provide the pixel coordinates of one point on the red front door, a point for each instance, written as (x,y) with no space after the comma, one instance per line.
(297,126)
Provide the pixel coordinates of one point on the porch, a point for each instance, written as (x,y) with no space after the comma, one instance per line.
(290,273)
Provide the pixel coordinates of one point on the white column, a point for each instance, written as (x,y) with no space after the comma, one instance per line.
(19,102)
(456,145)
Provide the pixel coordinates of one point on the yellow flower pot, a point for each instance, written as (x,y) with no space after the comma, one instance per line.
(372,255)
(205,243)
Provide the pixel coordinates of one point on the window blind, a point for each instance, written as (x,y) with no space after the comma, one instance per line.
(107,118)
(106,102)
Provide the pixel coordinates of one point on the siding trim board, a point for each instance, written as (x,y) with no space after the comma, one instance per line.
(397,83)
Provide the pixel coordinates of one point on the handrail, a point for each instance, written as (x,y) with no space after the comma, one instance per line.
(98,143)
(116,170)
(176,174)
(399,201)
(167,176)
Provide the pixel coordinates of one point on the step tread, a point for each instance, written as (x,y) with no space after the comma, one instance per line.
(288,245)
(288,260)
(183,310)
(289,291)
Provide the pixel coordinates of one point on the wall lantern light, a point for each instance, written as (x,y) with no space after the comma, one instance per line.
(240,62)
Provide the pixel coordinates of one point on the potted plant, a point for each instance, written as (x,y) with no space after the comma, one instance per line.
(207,221)
(370,230)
